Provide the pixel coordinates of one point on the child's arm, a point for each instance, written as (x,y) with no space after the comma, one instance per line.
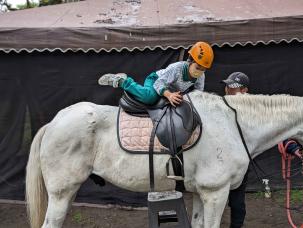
(167,76)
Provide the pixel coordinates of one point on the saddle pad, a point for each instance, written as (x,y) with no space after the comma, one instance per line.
(134,134)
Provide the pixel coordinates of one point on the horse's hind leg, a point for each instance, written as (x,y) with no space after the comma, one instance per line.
(62,182)
(58,205)
(62,187)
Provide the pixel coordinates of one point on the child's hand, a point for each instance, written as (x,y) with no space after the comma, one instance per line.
(174,98)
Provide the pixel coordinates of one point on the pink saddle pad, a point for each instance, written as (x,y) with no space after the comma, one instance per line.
(134,134)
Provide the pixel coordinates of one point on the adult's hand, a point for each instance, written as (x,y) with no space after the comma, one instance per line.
(298,153)
(174,98)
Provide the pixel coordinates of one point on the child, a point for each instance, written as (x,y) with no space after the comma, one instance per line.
(168,82)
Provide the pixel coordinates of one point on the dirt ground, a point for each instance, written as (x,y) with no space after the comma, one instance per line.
(261,213)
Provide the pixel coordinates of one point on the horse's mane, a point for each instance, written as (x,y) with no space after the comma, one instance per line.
(258,108)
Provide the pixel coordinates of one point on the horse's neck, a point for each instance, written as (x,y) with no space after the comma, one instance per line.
(264,120)
(267,120)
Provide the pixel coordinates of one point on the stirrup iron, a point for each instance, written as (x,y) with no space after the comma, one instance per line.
(174,177)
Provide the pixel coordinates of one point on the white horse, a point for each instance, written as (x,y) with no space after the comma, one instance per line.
(82,139)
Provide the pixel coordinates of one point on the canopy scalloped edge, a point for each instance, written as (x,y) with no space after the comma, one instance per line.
(63,50)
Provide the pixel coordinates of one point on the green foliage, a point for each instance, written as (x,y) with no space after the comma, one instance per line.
(27,6)
(4,6)
(49,2)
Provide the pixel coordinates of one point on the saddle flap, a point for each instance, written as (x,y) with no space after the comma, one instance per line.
(176,126)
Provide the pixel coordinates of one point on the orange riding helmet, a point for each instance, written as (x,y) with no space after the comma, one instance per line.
(202,53)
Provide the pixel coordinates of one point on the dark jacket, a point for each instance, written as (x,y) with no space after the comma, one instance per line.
(293,146)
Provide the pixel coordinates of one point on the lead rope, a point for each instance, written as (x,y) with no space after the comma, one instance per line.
(286,176)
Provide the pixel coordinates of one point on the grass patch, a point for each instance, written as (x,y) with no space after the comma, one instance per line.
(258,195)
(84,221)
(77,218)
(296,196)
(279,196)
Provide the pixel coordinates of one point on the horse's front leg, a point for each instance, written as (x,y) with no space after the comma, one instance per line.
(214,202)
(197,215)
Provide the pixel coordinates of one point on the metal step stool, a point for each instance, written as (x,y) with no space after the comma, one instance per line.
(165,207)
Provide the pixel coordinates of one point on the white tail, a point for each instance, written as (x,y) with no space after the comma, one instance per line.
(36,195)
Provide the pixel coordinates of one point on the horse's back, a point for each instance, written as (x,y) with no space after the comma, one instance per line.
(76,125)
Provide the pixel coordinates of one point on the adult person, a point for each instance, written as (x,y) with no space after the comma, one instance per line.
(237,83)
(293,147)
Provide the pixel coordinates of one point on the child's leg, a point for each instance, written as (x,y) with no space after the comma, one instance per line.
(145,94)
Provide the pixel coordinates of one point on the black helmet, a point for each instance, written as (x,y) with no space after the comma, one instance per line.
(237,80)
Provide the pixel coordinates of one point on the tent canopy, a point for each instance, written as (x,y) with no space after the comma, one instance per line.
(139,24)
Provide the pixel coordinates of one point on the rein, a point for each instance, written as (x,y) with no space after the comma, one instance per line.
(254,164)
(286,176)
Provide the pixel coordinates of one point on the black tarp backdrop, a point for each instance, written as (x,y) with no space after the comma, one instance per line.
(35,86)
